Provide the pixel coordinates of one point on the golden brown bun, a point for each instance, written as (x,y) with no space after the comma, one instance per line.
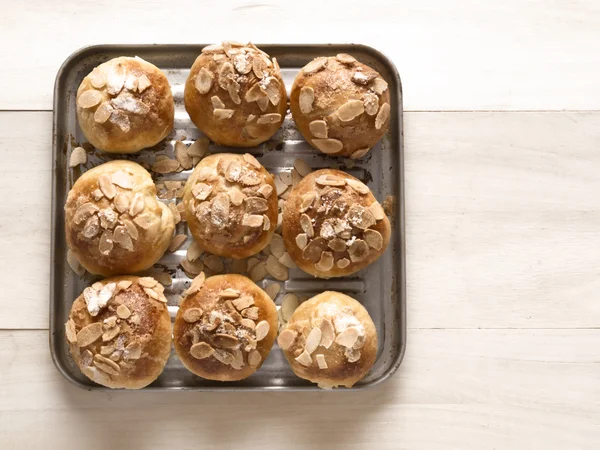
(112,112)
(347,357)
(228,323)
(349,227)
(235,94)
(119,332)
(124,234)
(231,205)
(348,104)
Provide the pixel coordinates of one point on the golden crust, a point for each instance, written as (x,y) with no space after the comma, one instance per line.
(229,180)
(342,312)
(333,86)
(245,127)
(136,335)
(347,211)
(137,119)
(216,309)
(88,232)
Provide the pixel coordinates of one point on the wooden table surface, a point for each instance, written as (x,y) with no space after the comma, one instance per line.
(502,157)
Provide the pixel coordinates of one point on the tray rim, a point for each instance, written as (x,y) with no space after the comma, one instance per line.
(399,221)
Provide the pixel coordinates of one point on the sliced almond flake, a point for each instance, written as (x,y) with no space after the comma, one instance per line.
(122,179)
(115,79)
(252,160)
(192,315)
(250,313)
(360,153)
(203,81)
(196,285)
(312,252)
(226,74)
(321,362)
(89,334)
(233,171)
(123,312)
(348,337)
(105,245)
(133,351)
(143,83)
(214,263)
(199,147)
(121,202)
(307,201)
(379,86)
(70,332)
(106,186)
(151,293)
(176,213)
(318,128)
(343,263)
(256,204)
(165,166)
(252,220)
(304,358)
(127,103)
(106,350)
(279,221)
(373,239)
(229,293)
(277,247)
(371,103)
(382,116)
(280,186)
(142,221)
(243,302)
(222,340)
(242,63)
(182,156)
(306,99)
(363,78)
(84,212)
(192,268)
(265,190)
(97,194)
(201,350)
(222,114)
(251,263)
(163,278)
(202,191)
(327,333)
(255,93)
(108,218)
(263,103)
(350,110)
(131,82)
(74,263)
(330,180)
(121,237)
(120,119)
(273,89)
(194,252)
(272,290)
(345,58)
(97,78)
(313,340)
(123,284)
(315,65)
(78,156)
(377,210)
(251,178)
(91,227)
(233,88)
(358,186)
(266,223)
(325,264)
(287,261)
(306,225)
(217,103)
(248,323)
(289,303)
(262,329)
(337,245)
(103,112)
(136,207)
(106,365)
(328,146)
(89,99)
(177,242)
(269,118)
(259,67)
(236,196)
(358,250)
(147,282)
(213,48)
(254,358)
(258,272)
(302,240)
(286,339)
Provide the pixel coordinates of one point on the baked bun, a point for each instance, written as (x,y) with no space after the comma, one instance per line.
(330,340)
(225,327)
(235,94)
(119,332)
(231,205)
(125,105)
(113,222)
(340,105)
(332,224)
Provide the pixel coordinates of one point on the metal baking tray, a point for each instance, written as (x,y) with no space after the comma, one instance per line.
(381,287)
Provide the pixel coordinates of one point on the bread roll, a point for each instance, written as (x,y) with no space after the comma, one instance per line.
(125,105)
(113,222)
(235,94)
(332,224)
(341,106)
(225,327)
(119,332)
(330,340)
(231,205)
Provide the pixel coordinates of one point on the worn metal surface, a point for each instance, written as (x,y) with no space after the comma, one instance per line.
(381,287)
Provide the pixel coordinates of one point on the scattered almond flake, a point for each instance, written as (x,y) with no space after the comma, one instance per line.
(360,153)
(363,78)
(254,358)
(266,223)
(221,114)
(177,242)
(304,358)
(252,220)
(286,177)
(343,263)
(337,245)
(255,93)
(289,303)
(123,312)
(233,88)
(91,227)
(350,110)
(265,190)
(259,67)
(176,213)
(194,252)
(103,112)
(321,362)
(116,79)
(348,337)
(136,206)
(106,186)
(97,78)
(312,340)
(373,239)
(120,119)
(248,323)
(258,272)
(121,237)
(131,82)
(306,99)
(327,333)
(105,244)
(122,179)
(302,240)
(252,262)
(302,167)
(382,116)
(280,186)
(70,332)
(213,48)
(318,128)
(262,329)
(345,58)
(89,99)
(108,218)
(325,264)
(306,225)
(151,293)
(279,221)
(192,267)
(203,81)
(74,263)
(126,102)
(379,86)
(214,263)
(377,211)
(287,261)
(217,103)
(328,146)
(143,83)
(330,180)
(226,74)
(307,201)
(286,339)
(192,315)
(78,156)
(243,302)
(263,103)
(97,194)
(251,313)
(269,118)
(142,221)
(358,250)
(250,159)
(272,290)
(133,351)
(197,283)
(123,284)
(202,350)
(276,269)
(358,186)
(181,153)
(315,65)
(165,166)
(371,103)
(272,87)
(277,246)
(312,252)
(199,147)
(89,334)
(161,158)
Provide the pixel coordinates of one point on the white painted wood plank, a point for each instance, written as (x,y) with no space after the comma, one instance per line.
(467,389)
(503,219)
(457,55)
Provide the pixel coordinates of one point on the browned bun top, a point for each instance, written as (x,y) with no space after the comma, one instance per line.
(231,205)
(119,331)
(235,94)
(225,327)
(113,222)
(333,225)
(340,105)
(330,340)
(125,105)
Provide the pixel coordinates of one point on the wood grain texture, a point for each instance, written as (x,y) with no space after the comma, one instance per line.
(502,211)
(479,389)
(458,55)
